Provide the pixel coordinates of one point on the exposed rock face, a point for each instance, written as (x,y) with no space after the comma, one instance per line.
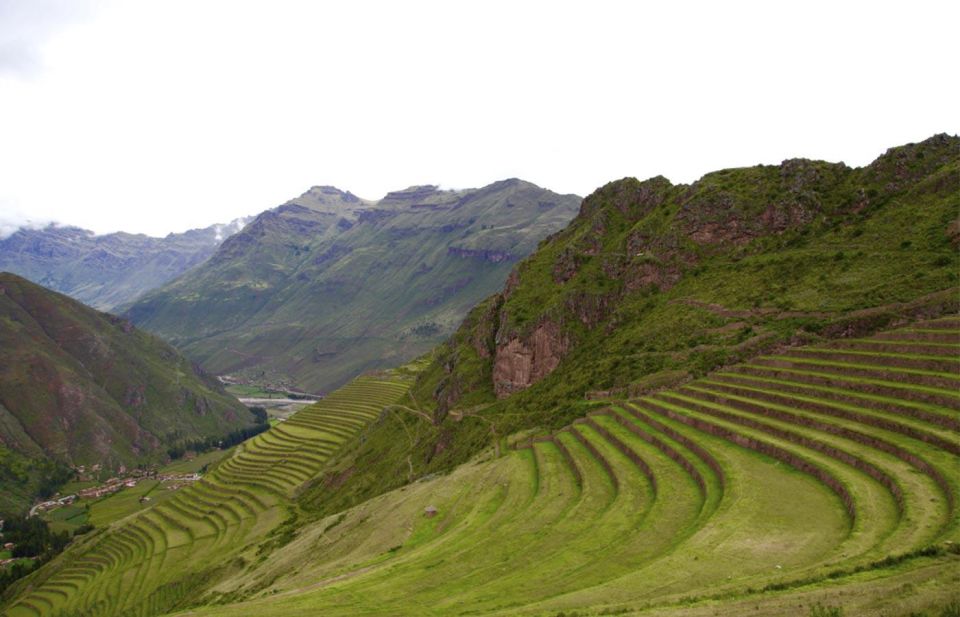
(519,363)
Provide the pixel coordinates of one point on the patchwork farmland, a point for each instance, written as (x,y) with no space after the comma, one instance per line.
(792,479)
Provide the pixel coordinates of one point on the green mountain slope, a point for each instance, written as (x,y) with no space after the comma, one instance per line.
(328,285)
(111,269)
(654,283)
(756,488)
(81,387)
(822,474)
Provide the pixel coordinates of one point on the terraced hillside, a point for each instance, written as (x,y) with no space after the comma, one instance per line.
(819,474)
(655,280)
(150,563)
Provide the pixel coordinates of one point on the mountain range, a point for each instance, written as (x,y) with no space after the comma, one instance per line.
(737,396)
(104,271)
(328,285)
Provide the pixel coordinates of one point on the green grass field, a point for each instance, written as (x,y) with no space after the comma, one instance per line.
(823,475)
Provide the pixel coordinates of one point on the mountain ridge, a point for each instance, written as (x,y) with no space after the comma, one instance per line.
(341,285)
(107,270)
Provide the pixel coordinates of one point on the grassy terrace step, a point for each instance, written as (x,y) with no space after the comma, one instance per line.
(128,569)
(921,377)
(940,416)
(884,387)
(924,335)
(948,363)
(910,478)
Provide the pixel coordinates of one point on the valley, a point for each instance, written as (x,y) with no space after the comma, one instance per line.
(738,396)
(463,309)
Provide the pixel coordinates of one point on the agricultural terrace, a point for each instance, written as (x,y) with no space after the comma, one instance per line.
(820,474)
(148,563)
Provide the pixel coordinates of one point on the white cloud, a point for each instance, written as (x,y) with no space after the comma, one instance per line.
(12,219)
(25,26)
(162,116)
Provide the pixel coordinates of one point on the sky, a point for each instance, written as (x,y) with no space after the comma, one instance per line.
(157,116)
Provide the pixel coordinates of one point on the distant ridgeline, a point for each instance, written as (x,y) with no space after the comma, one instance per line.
(80,387)
(107,270)
(328,285)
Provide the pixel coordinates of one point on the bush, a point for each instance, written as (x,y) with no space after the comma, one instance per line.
(205,445)
(32,539)
(260,413)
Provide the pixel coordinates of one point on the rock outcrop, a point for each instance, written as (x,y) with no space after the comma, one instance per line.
(520,362)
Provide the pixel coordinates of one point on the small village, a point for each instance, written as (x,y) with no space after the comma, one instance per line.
(126,479)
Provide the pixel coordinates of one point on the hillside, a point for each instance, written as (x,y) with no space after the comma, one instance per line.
(169,554)
(107,270)
(80,387)
(819,476)
(328,285)
(653,284)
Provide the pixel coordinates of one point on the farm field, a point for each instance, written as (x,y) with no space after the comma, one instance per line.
(149,562)
(822,475)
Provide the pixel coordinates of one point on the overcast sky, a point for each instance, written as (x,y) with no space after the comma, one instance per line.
(159,116)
